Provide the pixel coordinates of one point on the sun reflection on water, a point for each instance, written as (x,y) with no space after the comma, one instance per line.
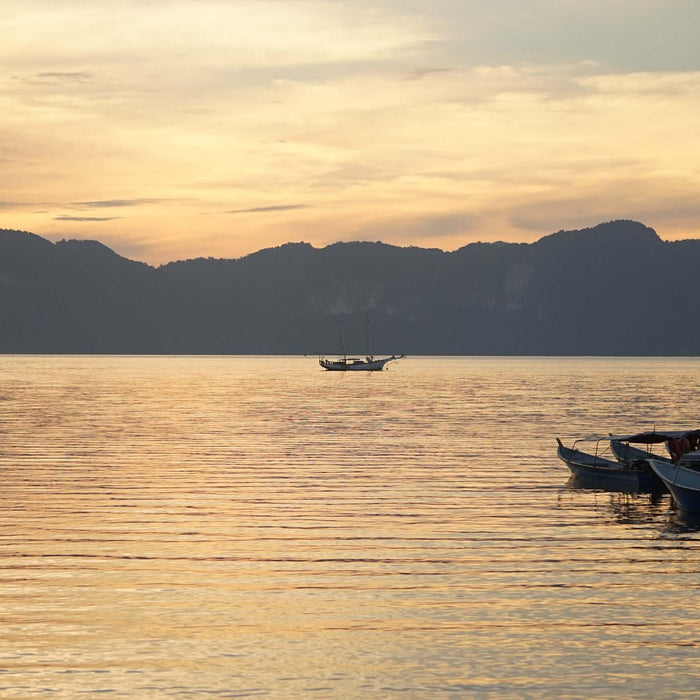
(256,526)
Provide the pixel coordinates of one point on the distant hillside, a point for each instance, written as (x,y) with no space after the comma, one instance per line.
(615,289)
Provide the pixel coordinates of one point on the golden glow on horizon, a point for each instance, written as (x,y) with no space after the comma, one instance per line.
(172,130)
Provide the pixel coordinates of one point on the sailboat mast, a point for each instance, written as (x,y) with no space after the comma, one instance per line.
(369,337)
(342,338)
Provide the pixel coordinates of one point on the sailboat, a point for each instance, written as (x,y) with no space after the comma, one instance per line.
(369,363)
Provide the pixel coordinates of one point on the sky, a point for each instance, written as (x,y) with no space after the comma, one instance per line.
(174,129)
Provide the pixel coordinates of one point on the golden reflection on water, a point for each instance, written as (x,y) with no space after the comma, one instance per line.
(180,526)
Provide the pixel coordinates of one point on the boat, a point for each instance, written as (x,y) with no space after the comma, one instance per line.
(369,363)
(682,480)
(677,442)
(596,471)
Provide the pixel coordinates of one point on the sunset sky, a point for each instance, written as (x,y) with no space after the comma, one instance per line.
(176,129)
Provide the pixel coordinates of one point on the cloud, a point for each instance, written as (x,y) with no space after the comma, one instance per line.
(353,174)
(431,226)
(271,208)
(420,122)
(666,204)
(420,73)
(86,218)
(426,229)
(676,84)
(108,203)
(621,34)
(98,204)
(237,34)
(68,77)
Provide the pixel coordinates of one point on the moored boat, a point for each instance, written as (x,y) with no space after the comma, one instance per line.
(368,364)
(682,480)
(677,442)
(597,471)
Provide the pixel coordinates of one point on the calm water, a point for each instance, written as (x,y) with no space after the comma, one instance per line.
(244,527)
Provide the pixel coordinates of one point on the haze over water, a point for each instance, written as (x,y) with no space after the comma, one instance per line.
(257,527)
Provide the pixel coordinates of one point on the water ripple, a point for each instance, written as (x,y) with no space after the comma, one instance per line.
(190,526)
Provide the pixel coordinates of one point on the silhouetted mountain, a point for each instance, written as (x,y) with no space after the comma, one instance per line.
(615,289)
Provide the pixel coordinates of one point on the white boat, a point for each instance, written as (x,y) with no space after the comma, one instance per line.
(626,465)
(369,363)
(682,480)
(597,471)
(677,442)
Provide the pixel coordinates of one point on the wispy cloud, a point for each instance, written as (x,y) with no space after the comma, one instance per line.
(271,208)
(420,73)
(86,218)
(97,204)
(665,203)
(425,123)
(108,203)
(67,77)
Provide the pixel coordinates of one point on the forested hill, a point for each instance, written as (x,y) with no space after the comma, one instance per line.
(615,289)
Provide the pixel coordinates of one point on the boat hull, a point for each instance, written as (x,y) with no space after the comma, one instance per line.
(597,472)
(683,483)
(624,452)
(626,481)
(356,365)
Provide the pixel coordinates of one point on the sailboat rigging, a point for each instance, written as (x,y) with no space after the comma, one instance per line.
(366,364)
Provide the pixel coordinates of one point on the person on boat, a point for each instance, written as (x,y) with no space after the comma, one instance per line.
(678,447)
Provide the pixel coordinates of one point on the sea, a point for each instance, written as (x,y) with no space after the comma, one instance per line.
(242,527)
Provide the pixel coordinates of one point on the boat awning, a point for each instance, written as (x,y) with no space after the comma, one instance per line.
(653,437)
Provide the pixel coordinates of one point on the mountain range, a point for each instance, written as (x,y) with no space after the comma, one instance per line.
(614,289)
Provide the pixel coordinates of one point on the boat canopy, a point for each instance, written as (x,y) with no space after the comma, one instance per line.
(654,437)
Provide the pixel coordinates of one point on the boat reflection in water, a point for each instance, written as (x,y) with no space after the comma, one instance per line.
(682,521)
(628,504)
(624,505)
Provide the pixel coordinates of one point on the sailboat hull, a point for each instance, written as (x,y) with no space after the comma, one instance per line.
(356,365)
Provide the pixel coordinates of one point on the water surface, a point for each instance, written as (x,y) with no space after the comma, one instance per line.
(244,527)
